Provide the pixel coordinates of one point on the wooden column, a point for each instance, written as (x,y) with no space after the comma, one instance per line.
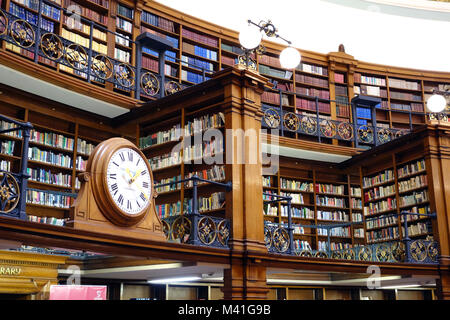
(437,148)
(246,279)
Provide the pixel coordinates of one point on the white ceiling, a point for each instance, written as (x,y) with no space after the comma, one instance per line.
(412,33)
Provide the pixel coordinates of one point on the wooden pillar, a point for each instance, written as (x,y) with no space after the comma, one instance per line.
(246,278)
(437,148)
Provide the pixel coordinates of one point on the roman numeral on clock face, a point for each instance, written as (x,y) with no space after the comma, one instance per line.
(142,196)
(130,156)
(120,200)
(122,157)
(145,184)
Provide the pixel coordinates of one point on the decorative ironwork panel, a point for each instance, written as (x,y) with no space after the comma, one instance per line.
(272,118)
(9,192)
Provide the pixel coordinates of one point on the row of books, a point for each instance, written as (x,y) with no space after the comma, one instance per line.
(165,160)
(209,121)
(330,202)
(275,72)
(339,77)
(422,210)
(303,212)
(335,232)
(312,69)
(380,206)
(358,77)
(414,198)
(357,217)
(300,245)
(46,176)
(215,173)
(342,111)
(88,13)
(330,188)
(412,183)
(355,191)
(267,181)
(48,220)
(173,40)
(199,51)
(170,187)
(272,97)
(122,55)
(48,199)
(193,77)
(208,40)
(81,164)
(46,9)
(124,25)
(52,139)
(84,147)
(381,177)
(382,221)
(340,90)
(296,185)
(103,3)
(215,201)
(84,41)
(411,168)
(359,233)
(72,23)
(228,61)
(205,149)
(7,147)
(420,228)
(172,134)
(333,215)
(311,105)
(285,86)
(157,21)
(356,203)
(5,125)
(125,11)
(405,96)
(323,94)
(168,209)
(5,165)
(297,198)
(379,192)
(298,229)
(415,107)
(270,209)
(304,79)
(404,84)
(370,91)
(384,234)
(32,18)
(193,62)
(123,40)
(231,48)
(49,157)
(266,195)
(323,246)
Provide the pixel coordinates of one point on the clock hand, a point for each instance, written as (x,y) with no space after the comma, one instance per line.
(142,191)
(133,179)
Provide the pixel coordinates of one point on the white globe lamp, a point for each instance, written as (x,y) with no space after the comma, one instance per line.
(290,58)
(250,37)
(436,103)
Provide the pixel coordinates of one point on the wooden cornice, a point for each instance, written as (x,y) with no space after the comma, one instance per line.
(65,81)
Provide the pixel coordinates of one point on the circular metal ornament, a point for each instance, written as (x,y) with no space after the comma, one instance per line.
(22,33)
(3,23)
(348,254)
(400,133)
(433,251)
(305,253)
(77,57)
(223,232)
(150,84)
(365,134)
(383,253)
(291,121)
(272,118)
(418,250)
(52,46)
(345,130)
(281,240)
(102,67)
(398,251)
(181,229)
(268,28)
(321,254)
(9,192)
(125,75)
(267,237)
(327,128)
(172,87)
(365,253)
(166,229)
(309,125)
(336,255)
(206,230)
(384,135)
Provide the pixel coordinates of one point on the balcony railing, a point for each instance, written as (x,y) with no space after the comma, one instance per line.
(279,239)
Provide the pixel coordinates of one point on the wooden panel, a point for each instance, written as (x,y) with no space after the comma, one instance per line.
(337,294)
(130,291)
(182,293)
(300,294)
(409,295)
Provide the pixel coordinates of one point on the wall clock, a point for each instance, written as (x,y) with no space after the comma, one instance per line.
(117,193)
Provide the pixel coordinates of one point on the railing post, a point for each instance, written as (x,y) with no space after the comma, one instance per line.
(355,127)
(38,33)
(290,229)
(138,70)
(328,242)
(91,37)
(407,240)
(194,215)
(162,72)
(23,172)
(281,113)
(317,118)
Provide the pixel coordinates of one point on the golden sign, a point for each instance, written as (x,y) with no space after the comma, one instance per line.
(10,271)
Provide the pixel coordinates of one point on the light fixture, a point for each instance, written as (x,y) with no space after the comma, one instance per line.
(250,39)
(436,104)
(174,280)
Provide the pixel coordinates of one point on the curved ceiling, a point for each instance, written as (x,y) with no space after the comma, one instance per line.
(411,34)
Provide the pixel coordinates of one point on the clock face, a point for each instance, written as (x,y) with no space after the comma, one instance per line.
(129,181)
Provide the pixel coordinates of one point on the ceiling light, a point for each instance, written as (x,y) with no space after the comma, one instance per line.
(174,280)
